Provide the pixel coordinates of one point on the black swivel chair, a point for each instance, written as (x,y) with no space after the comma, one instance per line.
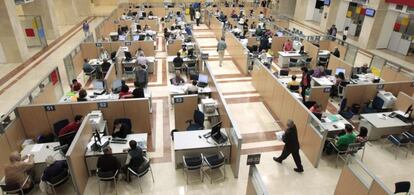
(344,110)
(59,125)
(294,88)
(284,72)
(126,122)
(13,188)
(328,71)
(58,180)
(402,187)
(376,105)
(198,121)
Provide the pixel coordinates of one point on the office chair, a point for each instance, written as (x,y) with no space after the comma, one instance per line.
(294,88)
(59,125)
(198,121)
(306,62)
(193,164)
(323,61)
(351,150)
(13,188)
(344,110)
(293,62)
(214,162)
(284,72)
(129,70)
(309,104)
(399,141)
(376,105)
(126,122)
(402,187)
(106,176)
(58,180)
(141,171)
(328,71)
(90,73)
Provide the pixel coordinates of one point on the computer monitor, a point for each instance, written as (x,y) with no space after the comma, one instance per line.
(202,78)
(116,84)
(135,37)
(122,38)
(67,138)
(194,77)
(128,55)
(338,70)
(216,129)
(98,84)
(124,28)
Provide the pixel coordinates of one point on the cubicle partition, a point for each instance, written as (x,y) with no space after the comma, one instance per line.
(255,183)
(330,45)
(403,102)
(313,52)
(216,26)
(335,62)
(281,102)
(320,94)
(75,156)
(355,178)
(173,47)
(184,107)
(39,119)
(238,52)
(110,77)
(277,45)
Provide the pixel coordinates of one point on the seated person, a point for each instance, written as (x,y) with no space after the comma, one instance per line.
(54,168)
(318,72)
(140,52)
(121,130)
(108,162)
(103,54)
(233,14)
(177,80)
(148,38)
(363,135)
(76,86)
(124,91)
(316,108)
(105,65)
(191,88)
(135,156)
(253,25)
(188,30)
(336,53)
(142,60)
(178,61)
(73,126)
(343,141)
(87,68)
(293,85)
(138,92)
(15,173)
(365,69)
(287,46)
(183,51)
(339,79)
(82,96)
(150,13)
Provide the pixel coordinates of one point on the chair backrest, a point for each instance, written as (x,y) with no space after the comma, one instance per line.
(293,60)
(59,178)
(193,161)
(294,87)
(328,71)
(308,60)
(353,148)
(105,174)
(343,105)
(377,103)
(59,125)
(284,72)
(10,188)
(402,186)
(126,122)
(199,117)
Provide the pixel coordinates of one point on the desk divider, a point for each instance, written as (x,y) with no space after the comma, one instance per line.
(36,120)
(403,102)
(320,95)
(277,45)
(238,52)
(184,111)
(75,156)
(5,151)
(335,62)
(174,47)
(313,52)
(390,74)
(110,77)
(216,26)
(50,94)
(285,105)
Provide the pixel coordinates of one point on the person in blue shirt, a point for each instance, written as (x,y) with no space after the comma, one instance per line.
(188,30)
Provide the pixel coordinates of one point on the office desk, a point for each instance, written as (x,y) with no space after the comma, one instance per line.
(180,90)
(170,60)
(379,124)
(189,143)
(365,79)
(284,57)
(41,152)
(133,63)
(322,81)
(98,62)
(334,122)
(213,117)
(91,157)
(285,80)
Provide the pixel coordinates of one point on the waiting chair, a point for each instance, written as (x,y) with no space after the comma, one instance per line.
(106,176)
(214,162)
(399,141)
(13,188)
(198,124)
(141,171)
(293,62)
(59,125)
(352,149)
(402,187)
(129,70)
(58,180)
(344,110)
(410,136)
(193,164)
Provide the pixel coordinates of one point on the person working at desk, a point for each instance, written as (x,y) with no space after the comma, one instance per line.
(177,80)
(103,55)
(138,92)
(316,109)
(318,72)
(54,168)
(108,162)
(135,157)
(336,53)
(72,127)
(287,46)
(293,85)
(191,88)
(363,135)
(82,96)
(178,61)
(339,81)
(342,141)
(15,173)
(365,69)
(87,68)
(290,138)
(124,91)
(121,130)
(76,86)
(140,52)
(105,65)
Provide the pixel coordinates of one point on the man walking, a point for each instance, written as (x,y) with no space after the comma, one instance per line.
(85,27)
(197,17)
(221,47)
(291,146)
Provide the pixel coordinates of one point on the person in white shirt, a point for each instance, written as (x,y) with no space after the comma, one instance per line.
(191,88)
(142,60)
(261,16)
(179,36)
(148,38)
(123,16)
(198,17)
(103,54)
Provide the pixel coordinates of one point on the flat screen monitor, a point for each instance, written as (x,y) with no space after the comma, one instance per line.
(135,37)
(338,70)
(67,138)
(216,129)
(202,78)
(370,12)
(116,84)
(122,37)
(98,84)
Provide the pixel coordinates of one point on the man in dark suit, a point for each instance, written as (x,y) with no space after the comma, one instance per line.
(291,146)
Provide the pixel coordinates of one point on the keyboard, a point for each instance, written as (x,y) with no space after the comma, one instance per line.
(118,142)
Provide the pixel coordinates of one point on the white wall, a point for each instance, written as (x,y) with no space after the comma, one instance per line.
(387,29)
(310,9)
(340,18)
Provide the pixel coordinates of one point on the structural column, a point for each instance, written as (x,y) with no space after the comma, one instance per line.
(372,26)
(329,15)
(13,47)
(65,12)
(44,9)
(83,7)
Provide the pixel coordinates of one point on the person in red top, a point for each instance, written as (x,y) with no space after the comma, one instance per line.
(76,86)
(71,127)
(124,91)
(288,46)
(305,82)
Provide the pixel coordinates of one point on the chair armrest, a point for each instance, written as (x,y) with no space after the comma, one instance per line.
(25,181)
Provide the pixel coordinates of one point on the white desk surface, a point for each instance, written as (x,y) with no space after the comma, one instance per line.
(180,89)
(187,140)
(334,125)
(201,108)
(42,151)
(382,120)
(324,52)
(171,59)
(110,96)
(289,53)
(365,79)
(97,62)
(113,34)
(323,81)
(141,139)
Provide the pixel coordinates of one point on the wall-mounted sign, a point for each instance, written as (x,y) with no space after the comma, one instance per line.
(370,12)
(98,44)
(127,43)
(178,100)
(253,159)
(49,108)
(102,104)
